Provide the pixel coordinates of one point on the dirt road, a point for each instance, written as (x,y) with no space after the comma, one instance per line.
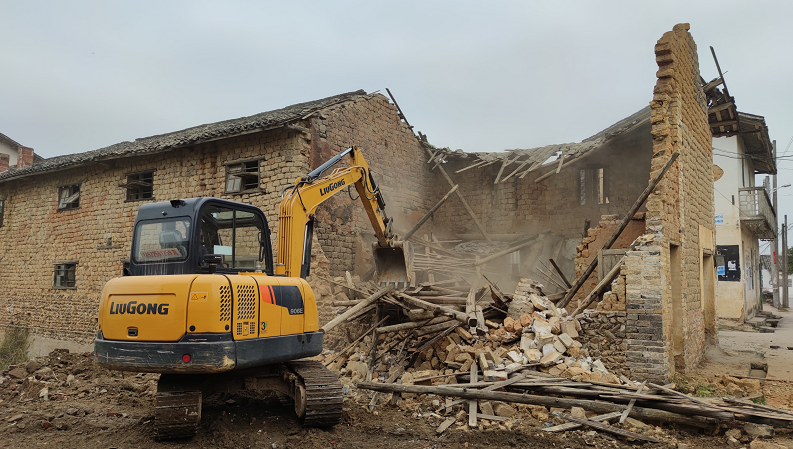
(66,401)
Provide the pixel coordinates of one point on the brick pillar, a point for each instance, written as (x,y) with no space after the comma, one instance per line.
(25,157)
(4,162)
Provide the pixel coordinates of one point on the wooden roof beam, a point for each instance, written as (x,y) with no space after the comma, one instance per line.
(724,123)
(720,107)
(712,84)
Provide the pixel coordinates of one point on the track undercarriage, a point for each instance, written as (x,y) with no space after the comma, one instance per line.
(314,390)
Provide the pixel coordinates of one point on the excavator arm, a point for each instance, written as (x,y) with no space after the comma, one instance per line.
(299,204)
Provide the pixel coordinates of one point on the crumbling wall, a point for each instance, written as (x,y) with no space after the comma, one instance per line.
(524,206)
(397,160)
(604,329)
(658,318)
(593,243)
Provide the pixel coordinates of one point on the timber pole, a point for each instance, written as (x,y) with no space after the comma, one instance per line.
(775,259)
(785,268)
(429,214)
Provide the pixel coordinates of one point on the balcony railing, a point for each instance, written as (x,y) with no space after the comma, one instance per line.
(757,214)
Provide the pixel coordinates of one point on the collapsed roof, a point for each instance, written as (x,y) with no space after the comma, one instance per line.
(532,158)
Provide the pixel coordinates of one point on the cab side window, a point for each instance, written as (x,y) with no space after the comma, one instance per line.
(234,235)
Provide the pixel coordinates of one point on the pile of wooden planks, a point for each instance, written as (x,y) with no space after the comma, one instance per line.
(644,401)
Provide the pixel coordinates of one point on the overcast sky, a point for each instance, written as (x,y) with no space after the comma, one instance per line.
(478,76)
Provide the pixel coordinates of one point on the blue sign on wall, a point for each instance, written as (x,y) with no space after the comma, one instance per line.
(720,270)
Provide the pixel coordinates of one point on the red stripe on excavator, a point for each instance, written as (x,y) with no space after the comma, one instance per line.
(267,294)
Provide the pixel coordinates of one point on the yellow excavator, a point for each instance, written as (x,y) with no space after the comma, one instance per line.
(203,304)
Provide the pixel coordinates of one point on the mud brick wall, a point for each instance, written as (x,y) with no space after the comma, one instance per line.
(398,162)
(596,238)
(677,210)
(647,333)
(34,234)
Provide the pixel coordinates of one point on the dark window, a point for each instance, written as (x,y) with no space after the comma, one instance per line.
(69,197)
(140,186)
(728,263)
(593,185)
(64,275)
(2,210)
(242,177)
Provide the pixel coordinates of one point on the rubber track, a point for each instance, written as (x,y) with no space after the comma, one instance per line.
(323,393)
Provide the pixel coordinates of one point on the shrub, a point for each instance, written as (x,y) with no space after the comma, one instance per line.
(14,347)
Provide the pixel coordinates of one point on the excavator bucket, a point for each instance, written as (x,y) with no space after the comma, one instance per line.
(394,265)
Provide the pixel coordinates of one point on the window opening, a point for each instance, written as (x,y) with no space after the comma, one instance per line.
(69,197)
(64,275)
(140,186)
(593,185)
(242,177)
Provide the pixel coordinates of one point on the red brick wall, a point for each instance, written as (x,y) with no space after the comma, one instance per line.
(24,157)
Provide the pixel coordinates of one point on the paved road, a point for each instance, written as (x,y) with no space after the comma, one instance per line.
(780,361)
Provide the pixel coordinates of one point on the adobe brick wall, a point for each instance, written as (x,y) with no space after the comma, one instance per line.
(679,207)
(34,234)
(527,207)
(596,238)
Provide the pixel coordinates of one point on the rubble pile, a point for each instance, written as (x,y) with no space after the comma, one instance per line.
(62,390)
(533,334)
(504,356)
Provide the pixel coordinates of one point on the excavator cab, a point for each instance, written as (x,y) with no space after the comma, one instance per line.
(175,237)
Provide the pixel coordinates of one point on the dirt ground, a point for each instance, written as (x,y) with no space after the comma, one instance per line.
(66,401)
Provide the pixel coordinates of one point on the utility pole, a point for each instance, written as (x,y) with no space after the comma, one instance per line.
(775,259)
(785,303)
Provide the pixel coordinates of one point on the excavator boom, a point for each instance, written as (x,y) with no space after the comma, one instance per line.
(393,259)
